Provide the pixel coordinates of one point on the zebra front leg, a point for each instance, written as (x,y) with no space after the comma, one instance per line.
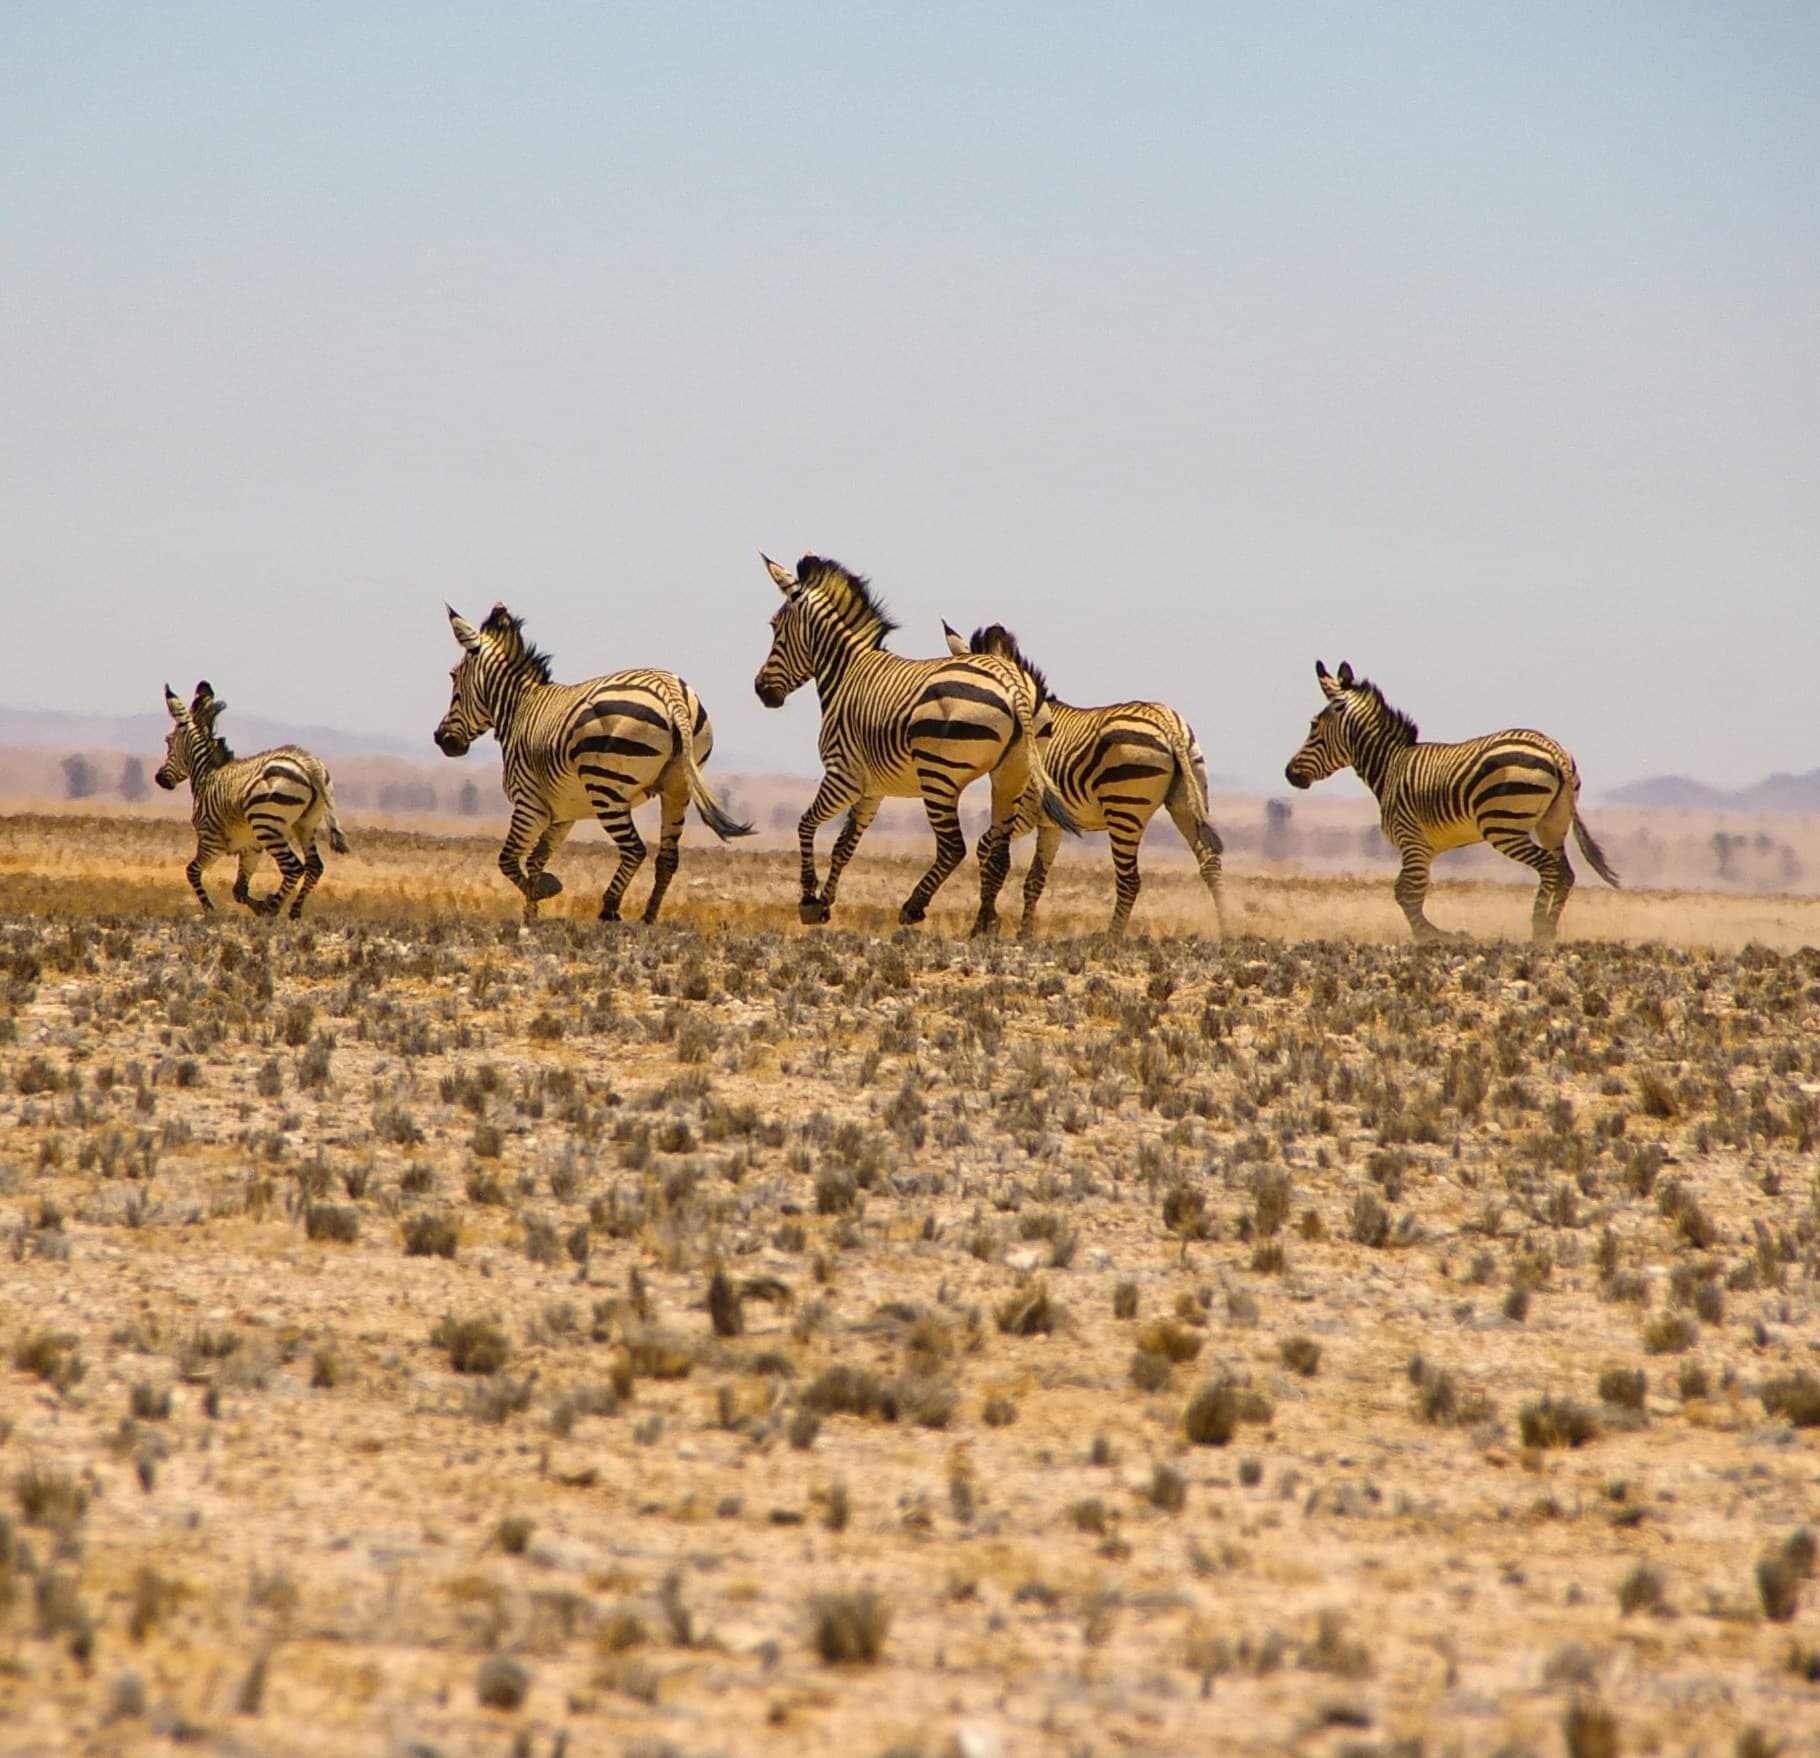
(617,820)
(1412,889)
(950,850)
(830,797)
(863,812)
(1048,840)
(669,852)
(544,884)
(523,835)
(1204,844)
(200,863)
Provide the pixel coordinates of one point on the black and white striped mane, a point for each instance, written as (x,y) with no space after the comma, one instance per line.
(1401,727)
(507,632)
(998,640)
(849,596)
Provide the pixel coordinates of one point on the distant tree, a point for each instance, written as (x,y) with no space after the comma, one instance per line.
(1724,846)
(78,777)
(467,802)
(1277,814)
(132,780)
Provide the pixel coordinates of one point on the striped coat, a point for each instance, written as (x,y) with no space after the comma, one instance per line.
(1518,791)
(272,804)
(1114,767)
(573,751)
(897,728)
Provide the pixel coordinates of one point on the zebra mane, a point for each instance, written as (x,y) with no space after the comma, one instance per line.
(849,596)
(1405,729)
(507,632)
(996,639)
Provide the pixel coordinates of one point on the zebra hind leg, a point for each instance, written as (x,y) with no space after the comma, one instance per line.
(292,870)
(243,880)
(669,853)
(618,821)
(950,851)
(1554,878)
(1127,880)
(312,871)
(1204,844)
(1048,840)
(995,867)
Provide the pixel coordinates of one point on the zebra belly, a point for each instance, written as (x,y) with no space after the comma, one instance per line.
(1454,833)
(569,799)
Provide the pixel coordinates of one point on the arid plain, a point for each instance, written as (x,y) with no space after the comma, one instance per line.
(420,1332)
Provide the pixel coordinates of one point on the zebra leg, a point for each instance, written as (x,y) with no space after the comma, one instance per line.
(1204,844)
(276,843)
(200,862)
(529,823)
(859,819)
(616,816)
(669,854)
(1412,890)
(830,797)
(312,871)
(1124,836)
(1010,783)
(995,866)
(544,884)
(1554,879)
(243,880)
(1048,840)
(950,851)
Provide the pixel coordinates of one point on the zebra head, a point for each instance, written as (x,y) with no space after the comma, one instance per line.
(791,661)
(191,747)
(496,664)
(467,717)
(1328,746)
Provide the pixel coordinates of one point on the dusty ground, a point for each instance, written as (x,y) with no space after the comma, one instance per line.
(1192,1347)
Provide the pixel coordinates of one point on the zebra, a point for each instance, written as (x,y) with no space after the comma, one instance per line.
(247,806)
(901,728)
(569,750)
(1113,766)
(1517,790)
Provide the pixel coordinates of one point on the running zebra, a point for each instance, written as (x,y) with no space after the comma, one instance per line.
(1114,767)
(572,750)
(248,806)
(1517,790)
(901,729)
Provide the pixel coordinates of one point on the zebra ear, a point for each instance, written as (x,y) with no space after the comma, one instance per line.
(464,630)
(1329,688)
(174,703)
(787,582)
(956,645)
(1346,678)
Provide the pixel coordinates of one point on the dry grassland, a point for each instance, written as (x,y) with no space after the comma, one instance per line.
(422,1333)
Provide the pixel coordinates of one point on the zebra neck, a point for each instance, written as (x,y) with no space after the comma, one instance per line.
(834,656)
(502,695)
(1374,760)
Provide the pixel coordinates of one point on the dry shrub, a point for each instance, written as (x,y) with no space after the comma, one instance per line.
(1027,1311)
(848,1628)
(1795,1396)
(475,1345)
(1557,1422)
(1301,1355)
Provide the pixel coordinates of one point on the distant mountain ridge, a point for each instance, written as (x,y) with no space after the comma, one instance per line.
(1775,793)
(56,729)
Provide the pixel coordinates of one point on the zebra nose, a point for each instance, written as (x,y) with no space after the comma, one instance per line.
(769,694)
(1293,778)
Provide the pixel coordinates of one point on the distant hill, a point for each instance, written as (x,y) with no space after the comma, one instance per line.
(53,729)
(1776,793)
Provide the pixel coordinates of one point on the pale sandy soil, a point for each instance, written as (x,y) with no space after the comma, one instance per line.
(1526,1169)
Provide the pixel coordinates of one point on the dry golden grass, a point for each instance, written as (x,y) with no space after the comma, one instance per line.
(758,1339)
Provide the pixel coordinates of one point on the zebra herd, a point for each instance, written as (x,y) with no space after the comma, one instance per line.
(891,728)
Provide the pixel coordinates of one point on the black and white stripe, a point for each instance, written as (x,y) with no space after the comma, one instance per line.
(1114,767)
(575,750)
(1517,790)
(248,806)
(901,729)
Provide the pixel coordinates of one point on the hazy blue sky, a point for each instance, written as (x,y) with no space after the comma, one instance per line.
(1479,345)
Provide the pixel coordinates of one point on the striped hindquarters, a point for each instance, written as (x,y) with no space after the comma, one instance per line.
(276,794)
(1116,766)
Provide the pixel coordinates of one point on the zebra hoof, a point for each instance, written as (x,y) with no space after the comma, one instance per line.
(812,911)
(609,912)
(910,915)
(548,885)
(984,927)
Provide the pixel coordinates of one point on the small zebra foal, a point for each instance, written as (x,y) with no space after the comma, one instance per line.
(1518,791)
(1114,767)
(247,806)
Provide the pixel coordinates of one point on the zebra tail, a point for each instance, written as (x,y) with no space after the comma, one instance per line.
(337,841)
(713,813)
(1055,808)
(1593,852)
(1191,777)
